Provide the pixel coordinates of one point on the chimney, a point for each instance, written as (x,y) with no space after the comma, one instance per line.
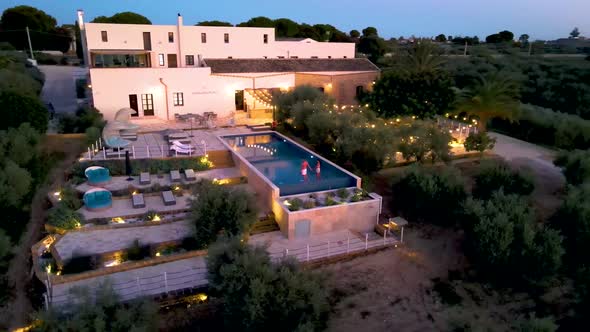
(179,20)
(83,40)
(178,36)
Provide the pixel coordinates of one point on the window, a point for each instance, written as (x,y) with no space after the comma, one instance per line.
(230,57)
(265,57)
(294,57)
(171,37)
(178,98)
(281,57)
(329,57)
(265,38)
(226,37)
(314,56)
(105,36)
(345,57)
(161,59)
(190,60)
(203,38)
(147,104)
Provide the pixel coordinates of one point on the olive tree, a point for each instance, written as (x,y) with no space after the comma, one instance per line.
(218,209)
(260,295)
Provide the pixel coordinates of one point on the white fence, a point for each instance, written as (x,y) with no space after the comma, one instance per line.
(97,151)
(196,277)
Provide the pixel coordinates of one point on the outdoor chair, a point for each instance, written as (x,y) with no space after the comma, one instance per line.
(180,150)
(182,145)
(168,198)
(175,176)
(144,178)
(190,175)
(138,201)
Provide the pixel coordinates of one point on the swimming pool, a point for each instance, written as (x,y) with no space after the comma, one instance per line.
(280,160)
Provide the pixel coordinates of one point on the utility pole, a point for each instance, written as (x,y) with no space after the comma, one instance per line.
(465,50)
(30,46)
(530,48)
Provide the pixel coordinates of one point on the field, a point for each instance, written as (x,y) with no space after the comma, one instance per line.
(428,284)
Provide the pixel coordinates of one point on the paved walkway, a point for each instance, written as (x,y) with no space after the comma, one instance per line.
(60,88)
(124,207)
(514,150)
(96,242)
(121,183)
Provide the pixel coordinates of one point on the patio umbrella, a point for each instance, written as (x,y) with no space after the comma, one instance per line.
(124,114)
(128,169)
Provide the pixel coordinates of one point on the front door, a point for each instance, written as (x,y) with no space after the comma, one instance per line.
(133,104)
(147,41)
(172,61)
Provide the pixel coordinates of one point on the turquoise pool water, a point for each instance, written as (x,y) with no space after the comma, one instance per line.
(280,161)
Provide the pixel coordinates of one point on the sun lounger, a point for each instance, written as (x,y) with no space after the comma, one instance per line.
(144,178)
(190,175)
(175,176)
(168,198)
(182,145)
(177,149)
(138,201)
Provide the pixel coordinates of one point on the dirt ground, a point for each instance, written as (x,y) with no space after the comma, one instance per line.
(420,287)
(423,286)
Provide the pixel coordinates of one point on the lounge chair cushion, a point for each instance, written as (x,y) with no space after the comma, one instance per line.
(144,178)
(168,198)
(175,176)
(190,174)
(138,201)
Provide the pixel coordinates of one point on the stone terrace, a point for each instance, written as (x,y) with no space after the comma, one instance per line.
(123,207)
(99,241)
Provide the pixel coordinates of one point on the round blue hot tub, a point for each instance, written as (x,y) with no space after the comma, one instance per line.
(98,199)
(97,175)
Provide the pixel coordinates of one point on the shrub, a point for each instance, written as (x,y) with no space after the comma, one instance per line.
(479,142)
(70,198)
(309,204)
(83,119)
(343,193)
(535,324)
(17,109)
(220,210)
(79,264)
(573,219)
(429,196)
(63,217)
(506,244)
(150,215)
(575,166)
(259,295)
(81,88)
(137,252)
(295,204)
(330,201)
(495,175)
(100,310)
(92,135)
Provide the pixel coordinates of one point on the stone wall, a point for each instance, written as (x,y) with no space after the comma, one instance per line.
(358,216)
(340,87)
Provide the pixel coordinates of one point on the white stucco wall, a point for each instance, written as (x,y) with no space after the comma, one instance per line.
(244,42)
(202,91)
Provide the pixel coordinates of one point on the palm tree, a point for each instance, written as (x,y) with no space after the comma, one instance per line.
(493,96)
(422,56)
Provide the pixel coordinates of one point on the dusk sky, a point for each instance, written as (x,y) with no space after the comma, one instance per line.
(541,19)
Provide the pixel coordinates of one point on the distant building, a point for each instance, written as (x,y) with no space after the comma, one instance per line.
(163,70)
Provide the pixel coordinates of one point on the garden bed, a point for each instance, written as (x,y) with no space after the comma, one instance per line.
(326,198)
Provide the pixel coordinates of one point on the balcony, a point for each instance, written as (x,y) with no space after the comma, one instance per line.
(120,59)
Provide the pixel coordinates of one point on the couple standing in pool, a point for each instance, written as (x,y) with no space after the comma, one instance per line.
(305,166)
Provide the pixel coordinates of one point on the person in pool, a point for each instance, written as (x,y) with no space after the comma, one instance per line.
(304,167)
(318,170)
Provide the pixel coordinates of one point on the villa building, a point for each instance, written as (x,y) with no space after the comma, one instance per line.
(164,70)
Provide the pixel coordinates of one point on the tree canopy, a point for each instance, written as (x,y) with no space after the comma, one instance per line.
(220,210)
(259,295)
(17,109)
(215,24)
(500,37)
(45,35)
(123,18)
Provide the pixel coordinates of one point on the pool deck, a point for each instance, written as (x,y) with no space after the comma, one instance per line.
(153,143)
(124,207)
(120,182)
